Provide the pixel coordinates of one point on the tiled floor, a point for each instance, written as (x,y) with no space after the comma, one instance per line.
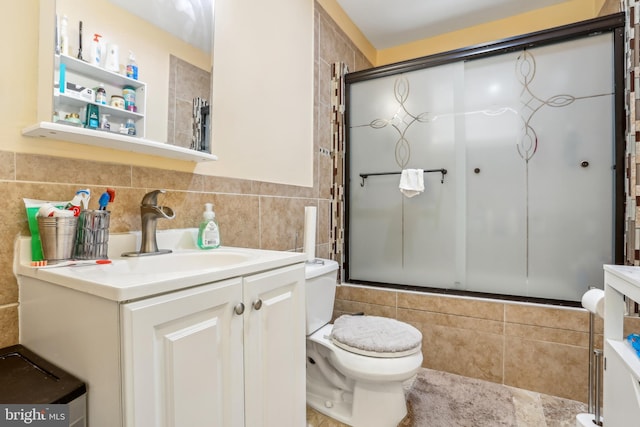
(527,408)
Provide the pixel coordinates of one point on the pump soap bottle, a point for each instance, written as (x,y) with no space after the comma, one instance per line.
(132,67)
(96,50)
(209,232)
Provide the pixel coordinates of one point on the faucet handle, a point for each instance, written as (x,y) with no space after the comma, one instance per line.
(151,198)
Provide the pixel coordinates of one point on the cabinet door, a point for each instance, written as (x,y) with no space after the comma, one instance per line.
(275,348)
(183,358)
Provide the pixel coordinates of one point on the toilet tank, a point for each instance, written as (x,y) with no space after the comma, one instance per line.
(321,276)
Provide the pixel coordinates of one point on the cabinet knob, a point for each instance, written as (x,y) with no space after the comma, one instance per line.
(257,304)
(239,309)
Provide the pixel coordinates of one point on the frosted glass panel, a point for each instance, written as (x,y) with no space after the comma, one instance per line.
(395,239)
(570,206)
(496,192)
(526,206)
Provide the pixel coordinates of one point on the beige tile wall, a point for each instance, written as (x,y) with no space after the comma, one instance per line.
(530,346)
(250,214)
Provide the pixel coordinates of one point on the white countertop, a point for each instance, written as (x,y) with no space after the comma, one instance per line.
(627,272)
(128,278)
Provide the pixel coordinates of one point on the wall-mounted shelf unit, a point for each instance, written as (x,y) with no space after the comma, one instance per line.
(91,76)
(116,141)
(70,73)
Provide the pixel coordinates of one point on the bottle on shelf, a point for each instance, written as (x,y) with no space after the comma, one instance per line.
(96,50)
(129,95)
(132,67)
(101,95)
(93,117)
(112,61)
(104,122)
(131,127)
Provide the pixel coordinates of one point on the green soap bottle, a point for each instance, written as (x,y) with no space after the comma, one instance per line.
(208,232)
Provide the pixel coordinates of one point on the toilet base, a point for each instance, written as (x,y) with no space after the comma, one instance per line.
(361,391)
(369,405)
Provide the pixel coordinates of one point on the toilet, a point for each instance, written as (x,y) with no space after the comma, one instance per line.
(357,365)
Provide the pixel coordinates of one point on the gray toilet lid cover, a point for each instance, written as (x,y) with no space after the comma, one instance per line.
(375,336)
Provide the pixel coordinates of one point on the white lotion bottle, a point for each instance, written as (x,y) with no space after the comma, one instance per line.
(208,232)
(112,61)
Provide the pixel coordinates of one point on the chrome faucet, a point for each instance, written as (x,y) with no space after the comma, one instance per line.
(150,212)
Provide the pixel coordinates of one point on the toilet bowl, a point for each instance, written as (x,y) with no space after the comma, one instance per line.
(356,367)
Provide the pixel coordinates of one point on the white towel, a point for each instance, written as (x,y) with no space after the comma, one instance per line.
(412,182)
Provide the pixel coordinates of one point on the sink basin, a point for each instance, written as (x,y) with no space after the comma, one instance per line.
(130,278)
(211,259)
(188,261)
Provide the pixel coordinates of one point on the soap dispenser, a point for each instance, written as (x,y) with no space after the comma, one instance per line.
(132,67)
(208,233)
(96,50)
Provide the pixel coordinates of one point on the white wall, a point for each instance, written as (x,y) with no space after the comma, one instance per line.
(263,91)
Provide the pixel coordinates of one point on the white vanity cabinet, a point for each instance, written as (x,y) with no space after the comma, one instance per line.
(622,366)
(229,353)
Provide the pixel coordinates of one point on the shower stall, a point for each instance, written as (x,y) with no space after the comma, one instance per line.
(522,147)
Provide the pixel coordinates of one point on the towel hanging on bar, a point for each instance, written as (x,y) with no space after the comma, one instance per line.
(364,176)
(411,182)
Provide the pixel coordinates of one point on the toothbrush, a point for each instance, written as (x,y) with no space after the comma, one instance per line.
(73,263)
(112,194)
(104,201)
(107,197)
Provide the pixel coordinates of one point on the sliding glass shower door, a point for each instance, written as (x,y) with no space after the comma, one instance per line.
(526,206)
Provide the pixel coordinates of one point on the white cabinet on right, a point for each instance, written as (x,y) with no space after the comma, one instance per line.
(621,366)
(274,349)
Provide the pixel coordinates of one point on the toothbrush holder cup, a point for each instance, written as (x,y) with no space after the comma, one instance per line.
(92,238)
(58,237)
